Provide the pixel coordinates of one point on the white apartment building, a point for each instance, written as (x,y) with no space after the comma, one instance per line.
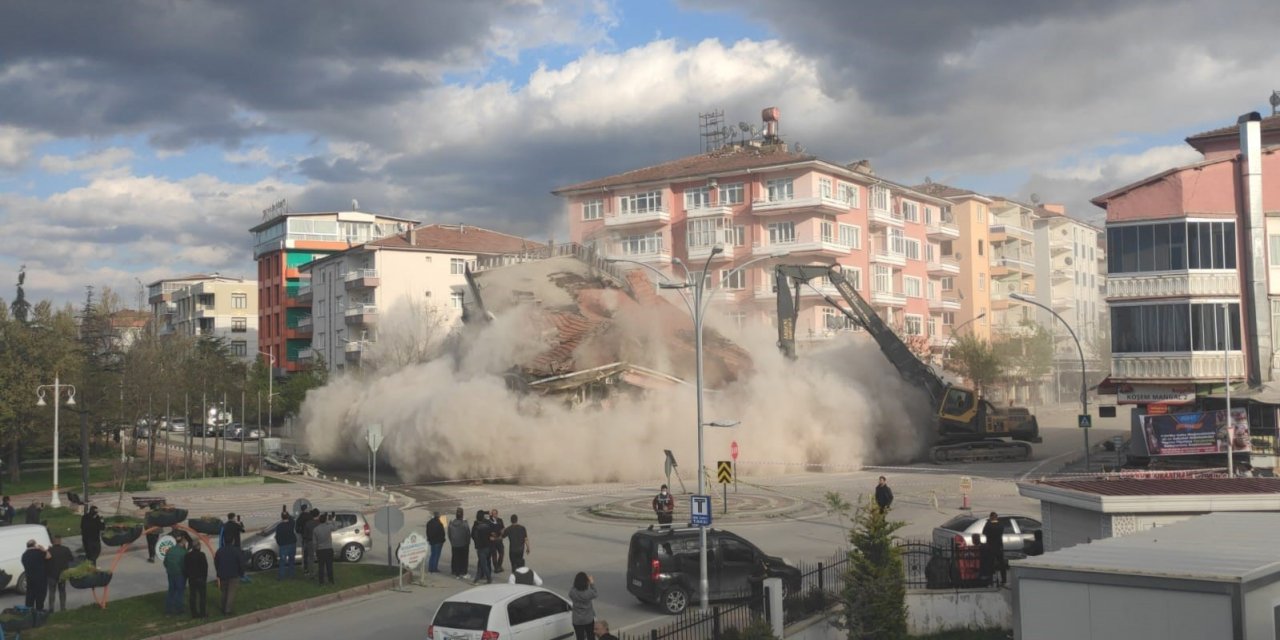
(415,276)
(1070,263)
(223,308)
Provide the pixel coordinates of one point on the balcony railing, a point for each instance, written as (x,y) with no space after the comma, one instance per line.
(1173,284)
(888,298)
(361,309)
(1206,366)
(1011,230)
(945,266)
(704,251)
(889,257)
(651,216)
(942,230)
(708,211)
(819,204)
(304,322)
(356,274)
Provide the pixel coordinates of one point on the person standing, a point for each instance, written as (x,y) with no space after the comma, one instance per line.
(497,550)
(91,525)
(153,537)
(33,513)
(602,631)
(226,562)
(525,575)
(175,564)
(35,564)
(664,505)
(480,530)
(884,495)
(309,541)
(435,538)
(7,511)
(993,549)
(286,543)
(459,543)
(60,559)
(584,610)
(519,537)
(195,569)
(231,531)
(322,538)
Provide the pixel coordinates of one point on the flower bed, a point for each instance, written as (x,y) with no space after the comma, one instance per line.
(165,516)
(120,534)
(209,526)
(87,576)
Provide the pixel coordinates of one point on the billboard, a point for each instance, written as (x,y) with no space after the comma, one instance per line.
(1162,393)
(1184,434)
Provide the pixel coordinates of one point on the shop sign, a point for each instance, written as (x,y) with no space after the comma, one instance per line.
(1162,393)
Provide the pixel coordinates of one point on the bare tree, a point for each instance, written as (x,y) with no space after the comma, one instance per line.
(412,333)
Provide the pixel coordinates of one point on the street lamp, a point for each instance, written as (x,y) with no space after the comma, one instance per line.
(56,388)
(1084,385)
(271,376)
(946,349)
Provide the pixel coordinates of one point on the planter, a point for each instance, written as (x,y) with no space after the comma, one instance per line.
(165,517)
(5,579)
(120,536)
(207,526)
(99,579)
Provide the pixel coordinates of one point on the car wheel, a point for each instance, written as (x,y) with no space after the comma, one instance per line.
(675,600)
(21,585)
(264,560)
(353,552)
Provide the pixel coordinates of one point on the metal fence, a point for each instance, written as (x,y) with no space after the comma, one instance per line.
(929,566)
(818,590)
(717,623)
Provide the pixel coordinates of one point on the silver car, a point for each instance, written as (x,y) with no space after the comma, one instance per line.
(1019,532)
(350,539)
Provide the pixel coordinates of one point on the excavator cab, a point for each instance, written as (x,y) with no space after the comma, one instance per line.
(959,405)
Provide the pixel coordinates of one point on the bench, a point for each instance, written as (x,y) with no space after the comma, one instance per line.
(147,502)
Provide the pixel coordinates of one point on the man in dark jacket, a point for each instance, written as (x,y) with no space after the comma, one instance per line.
(60,559)
(519,537)
(91,525)
(34,564)
(884,495)
(497,550)
(287,543)
(226,562)
(480,536)
(6,511)
(993,549)
(33,513)
(231,531)
(435,538)
(459,543)
(195,569)
(308,541)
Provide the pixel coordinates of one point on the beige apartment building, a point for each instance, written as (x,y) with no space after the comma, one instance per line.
(1071,261)
(413,279)
(218,307)
(971,214)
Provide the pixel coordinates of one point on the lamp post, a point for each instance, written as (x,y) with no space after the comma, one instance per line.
(1084,385)
(698,309)
(946,349)
(56,388)
(271,375)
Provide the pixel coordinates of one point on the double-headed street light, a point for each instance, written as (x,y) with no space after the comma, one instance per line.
(56,389)
(1084,385)
(946,349)
(271,376)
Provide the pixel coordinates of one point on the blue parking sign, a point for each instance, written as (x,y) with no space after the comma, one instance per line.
(700,511)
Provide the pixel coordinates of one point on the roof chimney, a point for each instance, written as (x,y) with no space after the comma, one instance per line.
(411,237)
(770,116)
(1255,310)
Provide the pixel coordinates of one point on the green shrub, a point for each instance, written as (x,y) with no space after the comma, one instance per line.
(83,570)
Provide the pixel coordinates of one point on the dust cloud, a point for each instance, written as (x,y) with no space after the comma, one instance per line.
(454,417)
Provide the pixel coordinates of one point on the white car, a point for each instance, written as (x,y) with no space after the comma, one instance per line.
(502,612)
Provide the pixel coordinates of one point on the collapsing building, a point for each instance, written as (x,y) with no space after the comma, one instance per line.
(605,328)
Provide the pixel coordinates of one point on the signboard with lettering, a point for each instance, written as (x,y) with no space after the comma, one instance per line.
(1183,434)
(1162,393)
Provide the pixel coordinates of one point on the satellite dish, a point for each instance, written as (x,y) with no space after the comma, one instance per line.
(1275,99)
(928,180)
(746,128)
(1035,198)
(799,149)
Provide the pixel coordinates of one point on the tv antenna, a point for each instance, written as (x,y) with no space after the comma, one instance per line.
(1275,101)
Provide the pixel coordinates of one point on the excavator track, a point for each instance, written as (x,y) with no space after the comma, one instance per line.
(981,451)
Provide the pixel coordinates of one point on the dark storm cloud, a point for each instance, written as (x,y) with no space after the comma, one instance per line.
(340,170)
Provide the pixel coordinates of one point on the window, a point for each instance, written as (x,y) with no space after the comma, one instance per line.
(948,318)
(836,320)
(849,193)
(457,266)
(239,301)
(982,282)
(593,209)
(1174,246)
(851,236)
(827,231)
(931,290)
(239,348)
(782,232)
(896,242)
(733,280)
(1176,327)
(979,247)
(740,236)
(1273,254)
(881,278)
(731,193)
(879,198)
(911,248)
(948,283)
(239,325)
(854,276)
(455,299)
(910,211)
(697,198)
(642,245)
(826,188)
(779,189)
(933,326)
(641,203)
(912,325)
(703,232)
(911,286)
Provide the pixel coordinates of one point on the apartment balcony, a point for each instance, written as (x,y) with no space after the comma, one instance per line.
(1062,304)
(305,322)
(361,313)
(882,256)
(1176,367)
(944,304)
(711,211)
(650,218)
(788,206)
(944,267)
(1063,275)
(303,292)
(1166,284)
(658,258)
(306,355)
(877,217)
(812,248)
(888,299)
(355,350)
(700,254)
(1060,248)
(1002,232)
(942,230)
(360,279)
(1002,266)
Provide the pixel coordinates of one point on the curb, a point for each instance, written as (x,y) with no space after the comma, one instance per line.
(275,613)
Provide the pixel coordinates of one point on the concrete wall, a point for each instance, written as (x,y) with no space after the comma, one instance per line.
(1051,610)
(1261,617)
(1067,526)
(929,611)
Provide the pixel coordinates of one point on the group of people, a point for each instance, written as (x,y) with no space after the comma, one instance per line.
(315,530)
(187,568)
(44,568)
(31,514)
(492,539)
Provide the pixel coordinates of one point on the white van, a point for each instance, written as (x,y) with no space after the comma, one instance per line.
(13,542)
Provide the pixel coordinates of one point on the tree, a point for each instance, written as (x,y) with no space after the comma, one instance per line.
(295,388)
(874,593)
(411,334)
(975,359)
(1028,354)
(918,344)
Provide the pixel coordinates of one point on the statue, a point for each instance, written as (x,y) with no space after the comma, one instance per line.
(20,306)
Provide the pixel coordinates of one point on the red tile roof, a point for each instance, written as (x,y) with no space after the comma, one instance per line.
(1169,486)
(729,160)
(939,190)
(458,238)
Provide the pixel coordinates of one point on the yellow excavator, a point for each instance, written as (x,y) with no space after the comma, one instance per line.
(969,429)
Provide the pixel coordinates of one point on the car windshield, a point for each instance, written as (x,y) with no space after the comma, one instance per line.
(462,615)
(959,523)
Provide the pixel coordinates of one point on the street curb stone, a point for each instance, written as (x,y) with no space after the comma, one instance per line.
(265,615)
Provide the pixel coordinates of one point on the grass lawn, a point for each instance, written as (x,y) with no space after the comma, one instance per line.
(972,634)
(68,479)
(62,521)
(143,616)
(275,480)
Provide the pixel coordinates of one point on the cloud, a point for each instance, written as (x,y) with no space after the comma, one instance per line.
(91,161)
(257,155)
(16,146)
(1076,183)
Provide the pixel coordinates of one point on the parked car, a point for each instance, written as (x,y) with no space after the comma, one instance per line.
(663,569)
(1019,533)
(503,611)
(350,539)
(178,425)
(238,431)
(141,432)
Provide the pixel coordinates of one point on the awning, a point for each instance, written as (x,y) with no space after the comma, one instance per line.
(1268,393)
(1107,387)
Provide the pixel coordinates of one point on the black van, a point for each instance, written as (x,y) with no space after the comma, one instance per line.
(662,566)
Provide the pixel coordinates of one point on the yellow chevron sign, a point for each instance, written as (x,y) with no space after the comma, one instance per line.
(724,472)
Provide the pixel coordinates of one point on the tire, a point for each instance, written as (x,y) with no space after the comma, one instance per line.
(263,560)
(353,552)
(21,585)
(674,600)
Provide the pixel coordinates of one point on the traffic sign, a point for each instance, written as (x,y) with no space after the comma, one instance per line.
(1085,421)
(733,450)
(375,437)
(388,520)
(412,551)
(724,472)
(966,485)
(700,511)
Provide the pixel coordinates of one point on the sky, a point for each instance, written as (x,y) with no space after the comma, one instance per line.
(141,139)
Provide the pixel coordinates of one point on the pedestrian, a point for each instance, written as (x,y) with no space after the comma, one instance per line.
(286,543)
(35,564)
(602,630)
(322,537)
(229,536)
(195,569)
(33,512)
(519,537)
(435,538)
(884,495)
(91,526)
(993,549)
(584,611)
(6,511)
(664,505)
(525,575)
(459,544)
(480,536)
(60,559)
(309,541)
(497,550)
(226,562)
(175,564)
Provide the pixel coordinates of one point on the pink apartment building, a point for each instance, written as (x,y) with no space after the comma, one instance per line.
(758,198)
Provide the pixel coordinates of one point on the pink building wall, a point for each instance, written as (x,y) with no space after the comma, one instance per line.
(1195,190)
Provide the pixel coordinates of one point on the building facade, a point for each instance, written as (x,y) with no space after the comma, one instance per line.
(221,308)
(160,297)
(1073,277)
(285,241)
